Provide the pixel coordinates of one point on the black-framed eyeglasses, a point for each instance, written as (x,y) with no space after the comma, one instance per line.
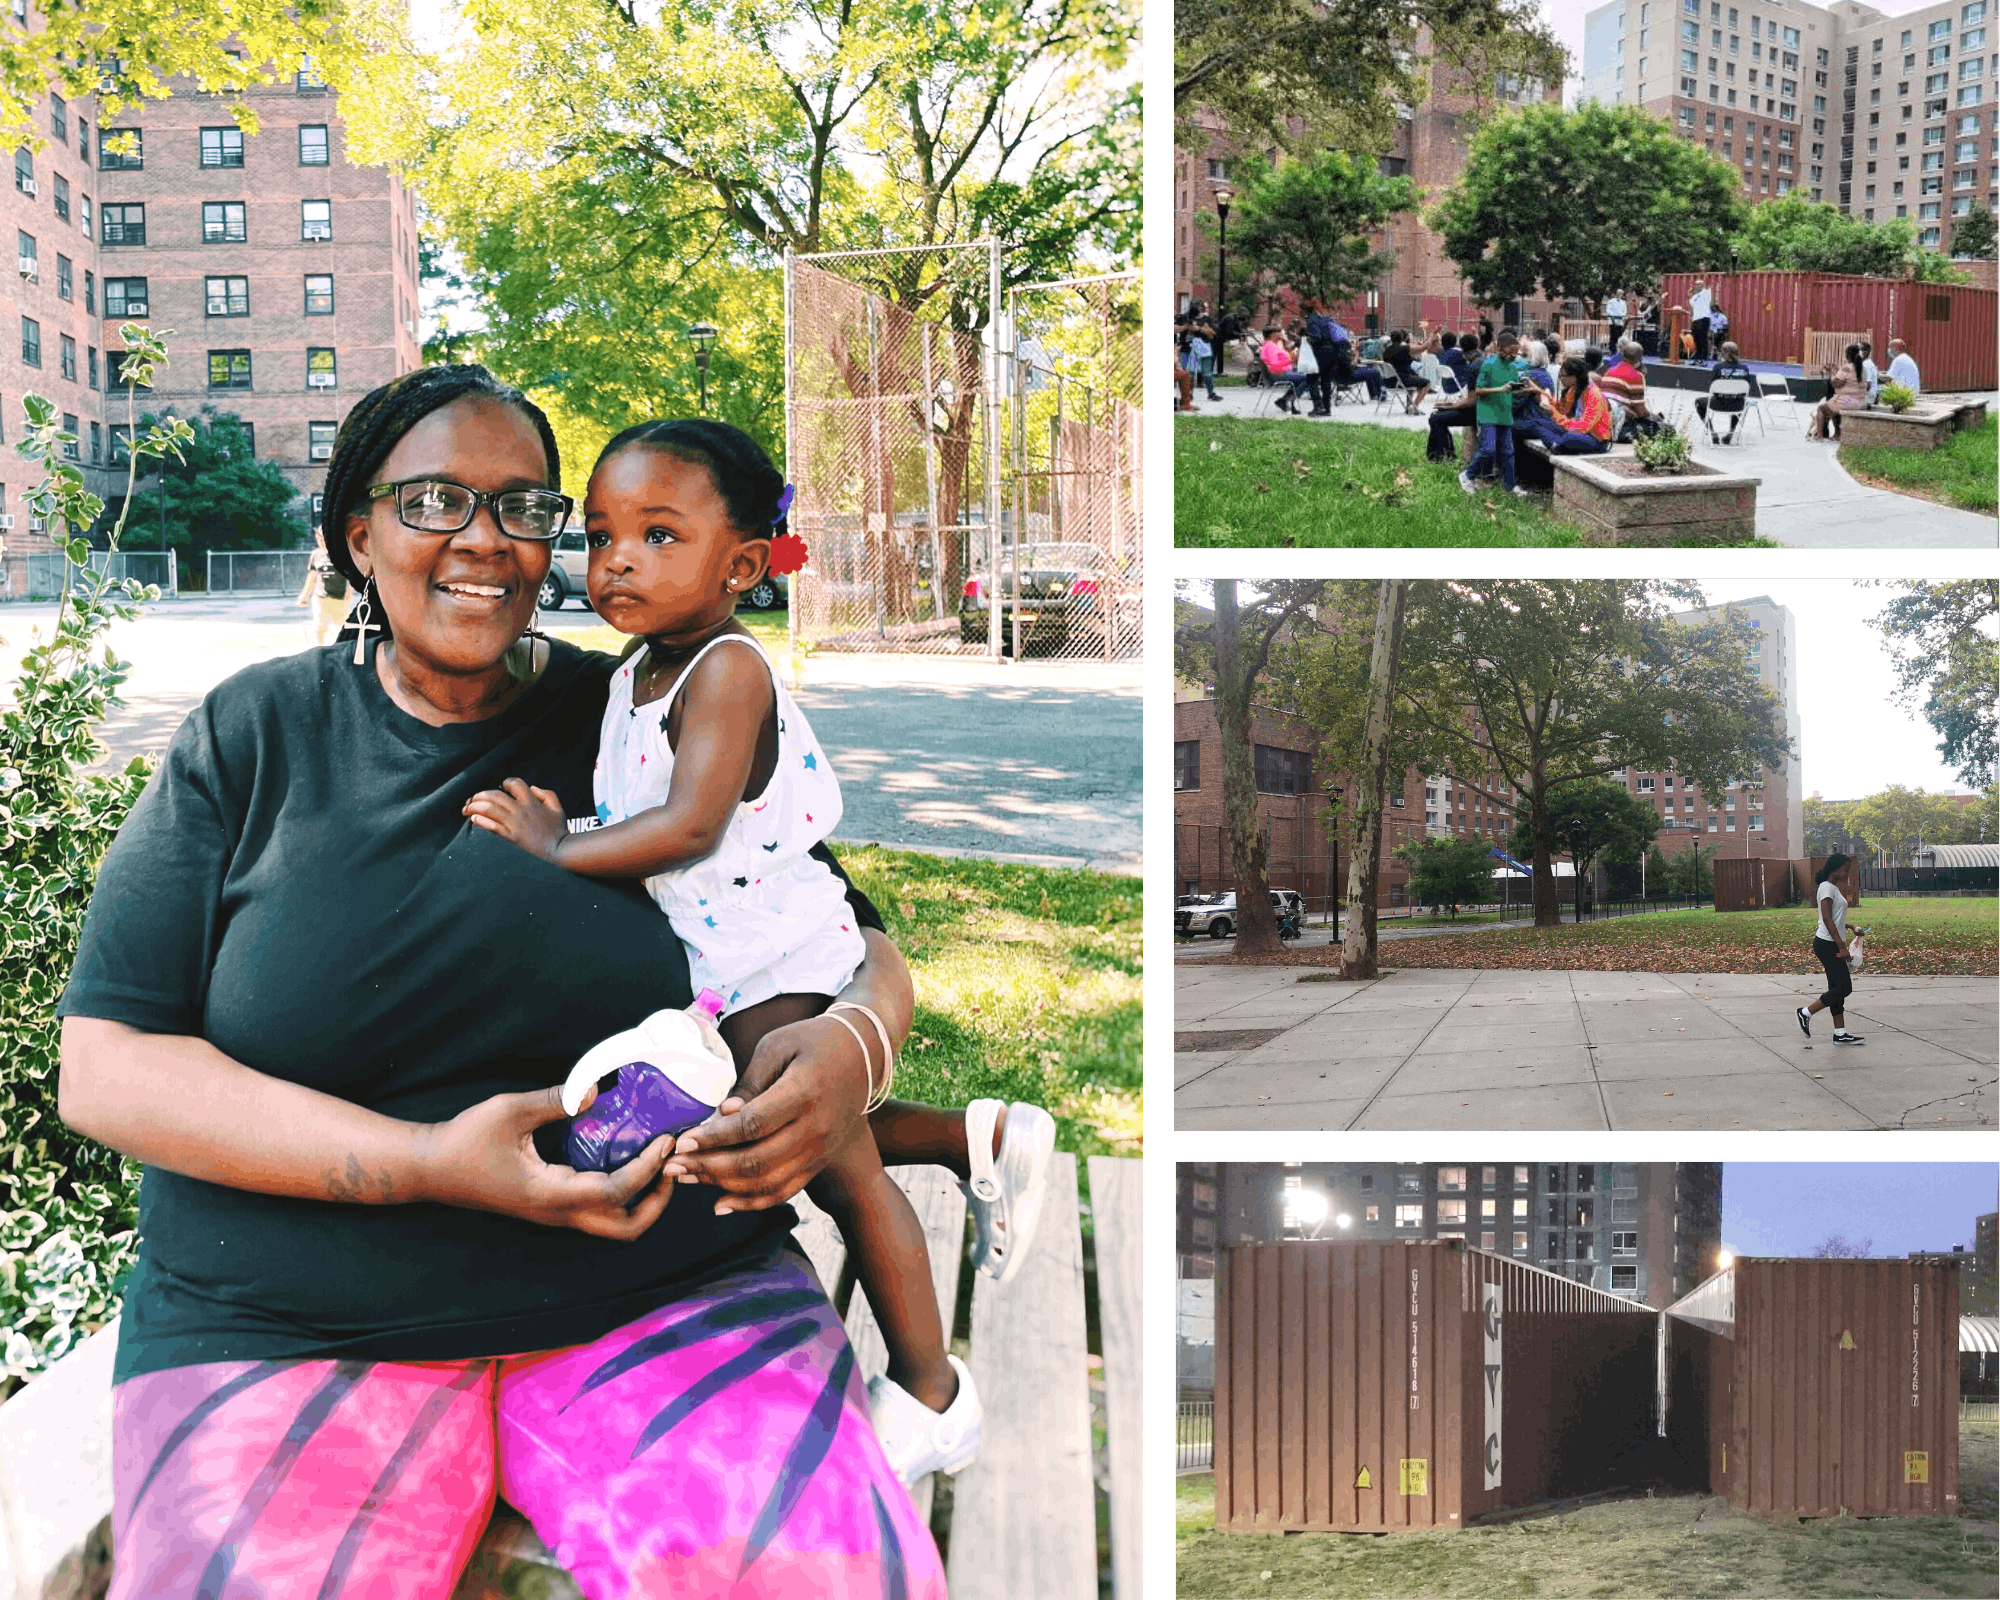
(437,505)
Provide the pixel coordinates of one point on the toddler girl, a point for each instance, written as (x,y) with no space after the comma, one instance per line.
(710,787)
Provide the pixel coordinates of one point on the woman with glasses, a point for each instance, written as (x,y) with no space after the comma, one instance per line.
(332,1019)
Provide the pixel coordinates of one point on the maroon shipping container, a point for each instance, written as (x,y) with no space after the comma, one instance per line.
(1363,1386)
(1819,1388)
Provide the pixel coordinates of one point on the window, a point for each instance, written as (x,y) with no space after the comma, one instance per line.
(1520,1182)
(319,294)
(121,442)
(1555,1214)
(83,140)
(312,144)
(1486,1241)
(90,292)
(125,297)
(222,147)
(83,217)
(31,342)
(1187,759)
(1625,1244)
(69,449)
(1451,1180)
(62,198)
(1281,771)
(1976,12)
(1489,1210)
(1410,1216)
(30,263)
(307,80)
(59,117)
(121,160)
(315,219)
(222,222)
(1936,54)
(322,374)
(1409,1183)
(228,297)
(1586,1247)
(65,279)
(1520,1244)
(1625,1278)
(96,436)
(124,225)
(1936,82)
(1451,1213)
(91,366)
(66,355)
(229,369)
(1372,1215)
(24,171)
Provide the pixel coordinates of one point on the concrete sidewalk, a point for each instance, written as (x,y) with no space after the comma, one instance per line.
(1255,1048)
(1805,498)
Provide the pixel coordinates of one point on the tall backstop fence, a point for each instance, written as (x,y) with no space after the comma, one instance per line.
(258,571)
(967,467)
(40,574)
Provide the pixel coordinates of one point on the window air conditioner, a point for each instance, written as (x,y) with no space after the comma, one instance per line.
(37,525)
(136,308)
(319,380)
(28,266)
(6,521)
(28,186)
(322,452)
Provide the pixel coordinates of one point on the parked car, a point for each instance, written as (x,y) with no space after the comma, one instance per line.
(1215,915)
(569,573)
(1064,589)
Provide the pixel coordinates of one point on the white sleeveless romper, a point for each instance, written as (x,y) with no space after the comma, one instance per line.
(759,916)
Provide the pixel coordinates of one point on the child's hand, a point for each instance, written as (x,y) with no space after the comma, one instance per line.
(531,818)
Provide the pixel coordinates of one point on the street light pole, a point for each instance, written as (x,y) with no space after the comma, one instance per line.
(1223,195)
(701,335)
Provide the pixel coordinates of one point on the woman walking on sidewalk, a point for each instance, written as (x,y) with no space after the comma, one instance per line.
(1839,884)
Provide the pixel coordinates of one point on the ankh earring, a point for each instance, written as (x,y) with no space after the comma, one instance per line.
(364,609)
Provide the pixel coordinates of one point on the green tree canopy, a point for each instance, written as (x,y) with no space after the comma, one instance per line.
(1898,820)
(1794,234)
(1448,872)
(1942,639)
(1581,203)
(219,495)
(1974,234)
(1304,74)
(1305,223)
(1595,820)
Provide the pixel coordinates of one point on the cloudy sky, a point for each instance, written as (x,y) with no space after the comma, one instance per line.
(1784,1208)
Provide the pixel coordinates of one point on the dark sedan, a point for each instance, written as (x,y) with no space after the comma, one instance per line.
(1063,590)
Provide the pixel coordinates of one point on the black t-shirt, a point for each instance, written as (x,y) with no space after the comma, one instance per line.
(298,887)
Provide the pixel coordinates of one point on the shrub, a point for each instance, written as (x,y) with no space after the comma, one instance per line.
(68,1207)
(1666,451)
(1898,397)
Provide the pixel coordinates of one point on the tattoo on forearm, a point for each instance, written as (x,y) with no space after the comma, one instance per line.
(355,1188)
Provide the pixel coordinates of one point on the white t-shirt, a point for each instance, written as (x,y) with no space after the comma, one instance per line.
(1614,311)
(1832,914)
(1873,376)
(1698,306)
(1904,370)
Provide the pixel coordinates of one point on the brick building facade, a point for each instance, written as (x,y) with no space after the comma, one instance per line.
(287,272)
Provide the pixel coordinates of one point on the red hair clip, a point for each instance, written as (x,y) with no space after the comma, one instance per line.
(788,554)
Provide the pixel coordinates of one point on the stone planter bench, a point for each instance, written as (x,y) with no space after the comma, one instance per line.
(1614,504)
(1921,427)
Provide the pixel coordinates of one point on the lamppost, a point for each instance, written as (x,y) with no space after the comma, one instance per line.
(701,336)
(1310,1208)
(1333,886)
(1574,835)
(1223,195)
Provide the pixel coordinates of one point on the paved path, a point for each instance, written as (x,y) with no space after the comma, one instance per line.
(1806,498)
(1490,1050)
(1035,761)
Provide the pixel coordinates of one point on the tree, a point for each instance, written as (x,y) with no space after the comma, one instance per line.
(1306,223)
(1692,871)
(219,495)
(1941,639)
(1974,234)
(1835,1247)
(1794,234)
(1829,826)
(1597,819)
(1358,950)
(1898,820)
(1306,74)
(1550,682)
(1657,873)
(1584,202)
(1230,649)
(1448,872)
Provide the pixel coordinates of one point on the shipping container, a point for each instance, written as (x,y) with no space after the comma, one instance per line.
(1819,1388)
(1370,1387)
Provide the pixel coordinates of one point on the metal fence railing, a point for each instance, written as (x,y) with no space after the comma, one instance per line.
(257,571)
(39,574)
(1194,1436)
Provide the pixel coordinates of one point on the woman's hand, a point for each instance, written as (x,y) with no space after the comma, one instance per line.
(805,1089)
(484,1159)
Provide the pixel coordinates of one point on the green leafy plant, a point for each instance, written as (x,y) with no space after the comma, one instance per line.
(1898,397)
(68,1206)
(1666,451)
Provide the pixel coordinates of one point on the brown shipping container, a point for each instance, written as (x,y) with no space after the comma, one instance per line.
(1364,1386)
(1819,1388)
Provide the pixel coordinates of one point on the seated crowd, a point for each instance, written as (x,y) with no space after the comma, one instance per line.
(1559,398)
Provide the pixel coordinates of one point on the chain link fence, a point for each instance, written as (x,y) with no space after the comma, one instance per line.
(40,574)
(967,482)
(257,571)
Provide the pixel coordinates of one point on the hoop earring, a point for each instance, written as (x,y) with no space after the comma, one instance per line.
(364,608)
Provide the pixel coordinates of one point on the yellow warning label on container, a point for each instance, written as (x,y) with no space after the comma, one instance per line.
(1416,1475)
(1916,1466)
(1846,1340)
(1362,1480)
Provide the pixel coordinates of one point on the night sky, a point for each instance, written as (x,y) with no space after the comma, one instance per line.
(1784,1208)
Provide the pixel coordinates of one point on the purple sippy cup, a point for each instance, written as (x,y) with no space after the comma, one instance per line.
(673,1071)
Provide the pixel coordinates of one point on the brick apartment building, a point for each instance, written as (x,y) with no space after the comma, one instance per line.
(287,272)
(1294,799)
(1428,147)
(1882,116)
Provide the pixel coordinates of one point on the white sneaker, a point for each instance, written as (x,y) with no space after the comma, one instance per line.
(1465,483)
(1005,1191)
(919,1441)
(1518,492)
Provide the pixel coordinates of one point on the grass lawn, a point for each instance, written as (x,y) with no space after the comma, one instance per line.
(1684,1545)
(1961,474)
(1945,938)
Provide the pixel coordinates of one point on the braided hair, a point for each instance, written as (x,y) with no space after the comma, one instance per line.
(383,416)
(742,471)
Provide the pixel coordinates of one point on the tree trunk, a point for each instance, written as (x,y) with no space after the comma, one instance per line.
(1547,913)
(1256,924)
(1357,951)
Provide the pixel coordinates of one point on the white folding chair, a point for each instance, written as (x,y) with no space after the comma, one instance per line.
(1729,397)
(1774,390)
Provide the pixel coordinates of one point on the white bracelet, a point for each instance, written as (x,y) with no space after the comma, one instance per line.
(877,1096)
(867,1070)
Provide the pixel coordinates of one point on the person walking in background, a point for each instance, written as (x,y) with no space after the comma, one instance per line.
(1903,367)
(1839,885)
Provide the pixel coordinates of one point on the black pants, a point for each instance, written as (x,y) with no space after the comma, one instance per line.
(1617,333)
(1701,338)
(1839,981)
(1440,446)
(1322,384)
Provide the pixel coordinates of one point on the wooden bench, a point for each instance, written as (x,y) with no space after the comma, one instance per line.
(1021,1520)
